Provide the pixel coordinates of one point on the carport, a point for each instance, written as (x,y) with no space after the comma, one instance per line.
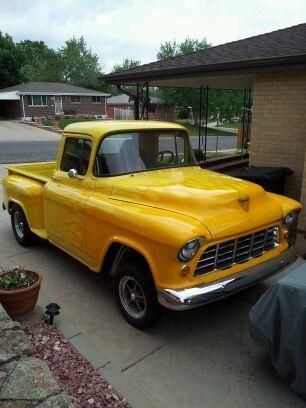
(273,67)
(10,106)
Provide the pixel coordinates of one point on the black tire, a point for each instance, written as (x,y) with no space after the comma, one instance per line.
(23,234)
(127,274)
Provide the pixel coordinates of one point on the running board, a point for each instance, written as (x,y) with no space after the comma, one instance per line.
(41,232)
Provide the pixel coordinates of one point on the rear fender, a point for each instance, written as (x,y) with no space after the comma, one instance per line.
(28,194)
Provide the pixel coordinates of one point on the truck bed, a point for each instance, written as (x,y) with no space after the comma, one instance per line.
(37,171)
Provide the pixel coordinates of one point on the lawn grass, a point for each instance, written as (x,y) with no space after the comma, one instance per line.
(233,125)
(194,131)
(47,122)
(65,122)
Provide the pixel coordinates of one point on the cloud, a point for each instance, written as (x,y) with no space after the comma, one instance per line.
(136,28)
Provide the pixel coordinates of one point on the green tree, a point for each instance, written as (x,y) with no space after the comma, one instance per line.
(10,62)
(181,97)
(172,49)
(40,63)
(79,65)
(126,64)
(225,104)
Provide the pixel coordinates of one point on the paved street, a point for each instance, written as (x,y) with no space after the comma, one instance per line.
(200,358)
(23,143)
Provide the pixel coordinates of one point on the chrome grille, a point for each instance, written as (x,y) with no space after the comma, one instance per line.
(237,251)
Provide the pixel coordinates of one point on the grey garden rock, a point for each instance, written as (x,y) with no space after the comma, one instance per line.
(30,380)
(3,315)
(13,344)
(9,325)
(3,376)
(18,404)
(62,400)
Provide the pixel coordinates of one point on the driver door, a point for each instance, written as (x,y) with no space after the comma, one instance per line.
(66,197)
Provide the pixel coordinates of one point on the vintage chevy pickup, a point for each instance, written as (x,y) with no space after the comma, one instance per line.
(128,198)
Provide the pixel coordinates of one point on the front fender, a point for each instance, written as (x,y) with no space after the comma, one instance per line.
(155,233)
(286,204)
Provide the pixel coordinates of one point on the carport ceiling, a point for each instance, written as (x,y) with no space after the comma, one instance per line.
(232,65)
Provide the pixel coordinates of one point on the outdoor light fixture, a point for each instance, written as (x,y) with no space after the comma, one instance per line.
(52,309)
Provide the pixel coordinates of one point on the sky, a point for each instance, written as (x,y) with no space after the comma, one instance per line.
(134,29)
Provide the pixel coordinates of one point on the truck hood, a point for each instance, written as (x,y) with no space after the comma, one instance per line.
(225,205)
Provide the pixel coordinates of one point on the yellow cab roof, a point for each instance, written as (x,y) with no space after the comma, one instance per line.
(99,128)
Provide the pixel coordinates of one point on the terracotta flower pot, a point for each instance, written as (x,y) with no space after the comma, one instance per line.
(19,303)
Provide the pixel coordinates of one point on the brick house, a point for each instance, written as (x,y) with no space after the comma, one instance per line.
(121,107)
(50,99)
(273,67)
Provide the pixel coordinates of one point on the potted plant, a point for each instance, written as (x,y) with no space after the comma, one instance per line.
(19,290)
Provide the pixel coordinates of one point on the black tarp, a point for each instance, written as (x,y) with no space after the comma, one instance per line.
(278,324)
(270,178)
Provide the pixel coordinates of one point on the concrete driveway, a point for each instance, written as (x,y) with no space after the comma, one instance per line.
(200,358)
(14,131)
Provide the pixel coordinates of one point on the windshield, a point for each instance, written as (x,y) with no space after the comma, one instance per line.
(125,153)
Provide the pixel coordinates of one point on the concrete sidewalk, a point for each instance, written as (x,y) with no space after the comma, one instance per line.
(200,358)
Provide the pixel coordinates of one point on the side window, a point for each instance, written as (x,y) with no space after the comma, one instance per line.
(76,155)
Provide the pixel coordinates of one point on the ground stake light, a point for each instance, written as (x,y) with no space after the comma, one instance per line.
(52,309)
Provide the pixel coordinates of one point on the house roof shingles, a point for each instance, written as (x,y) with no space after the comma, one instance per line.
(278,47)
(51,87)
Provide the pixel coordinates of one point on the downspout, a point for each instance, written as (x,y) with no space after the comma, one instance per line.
(23,111)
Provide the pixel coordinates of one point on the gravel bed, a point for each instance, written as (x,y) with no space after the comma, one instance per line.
(72,371)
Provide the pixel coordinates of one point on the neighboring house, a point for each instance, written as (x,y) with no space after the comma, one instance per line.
(50,99)
(121,107)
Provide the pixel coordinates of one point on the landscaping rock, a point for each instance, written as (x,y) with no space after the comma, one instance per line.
(3,376)
(3,315)
(9,325)
(18,404)
(30,380)
(62,400)
(13,344)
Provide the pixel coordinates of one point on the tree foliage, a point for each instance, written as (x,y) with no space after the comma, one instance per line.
(10,62)
(172,49)
(74,63)
(79,65)
(225,104)
(126,64)
(39,62)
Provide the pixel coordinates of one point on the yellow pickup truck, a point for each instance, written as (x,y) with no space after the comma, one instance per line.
(128,198)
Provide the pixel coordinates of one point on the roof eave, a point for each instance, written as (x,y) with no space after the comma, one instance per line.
(62,93)
(231,68)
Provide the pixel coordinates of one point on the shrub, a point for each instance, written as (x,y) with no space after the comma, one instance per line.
(199,155)
(184,113)
(47,122)
(16,278)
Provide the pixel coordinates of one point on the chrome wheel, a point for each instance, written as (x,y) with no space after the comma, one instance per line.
(132,297)
(19,224)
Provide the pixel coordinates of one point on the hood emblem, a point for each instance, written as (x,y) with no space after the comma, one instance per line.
(244,202)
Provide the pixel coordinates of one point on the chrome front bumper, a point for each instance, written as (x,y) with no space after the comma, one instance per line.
(189,298)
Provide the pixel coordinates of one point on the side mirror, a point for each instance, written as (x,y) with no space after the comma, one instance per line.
(73,174)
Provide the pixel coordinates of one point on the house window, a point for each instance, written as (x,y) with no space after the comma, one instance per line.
(37,100)
(96,99)
(75,99)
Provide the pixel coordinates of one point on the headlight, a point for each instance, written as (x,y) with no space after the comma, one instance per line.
(188,251)
(291,218)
